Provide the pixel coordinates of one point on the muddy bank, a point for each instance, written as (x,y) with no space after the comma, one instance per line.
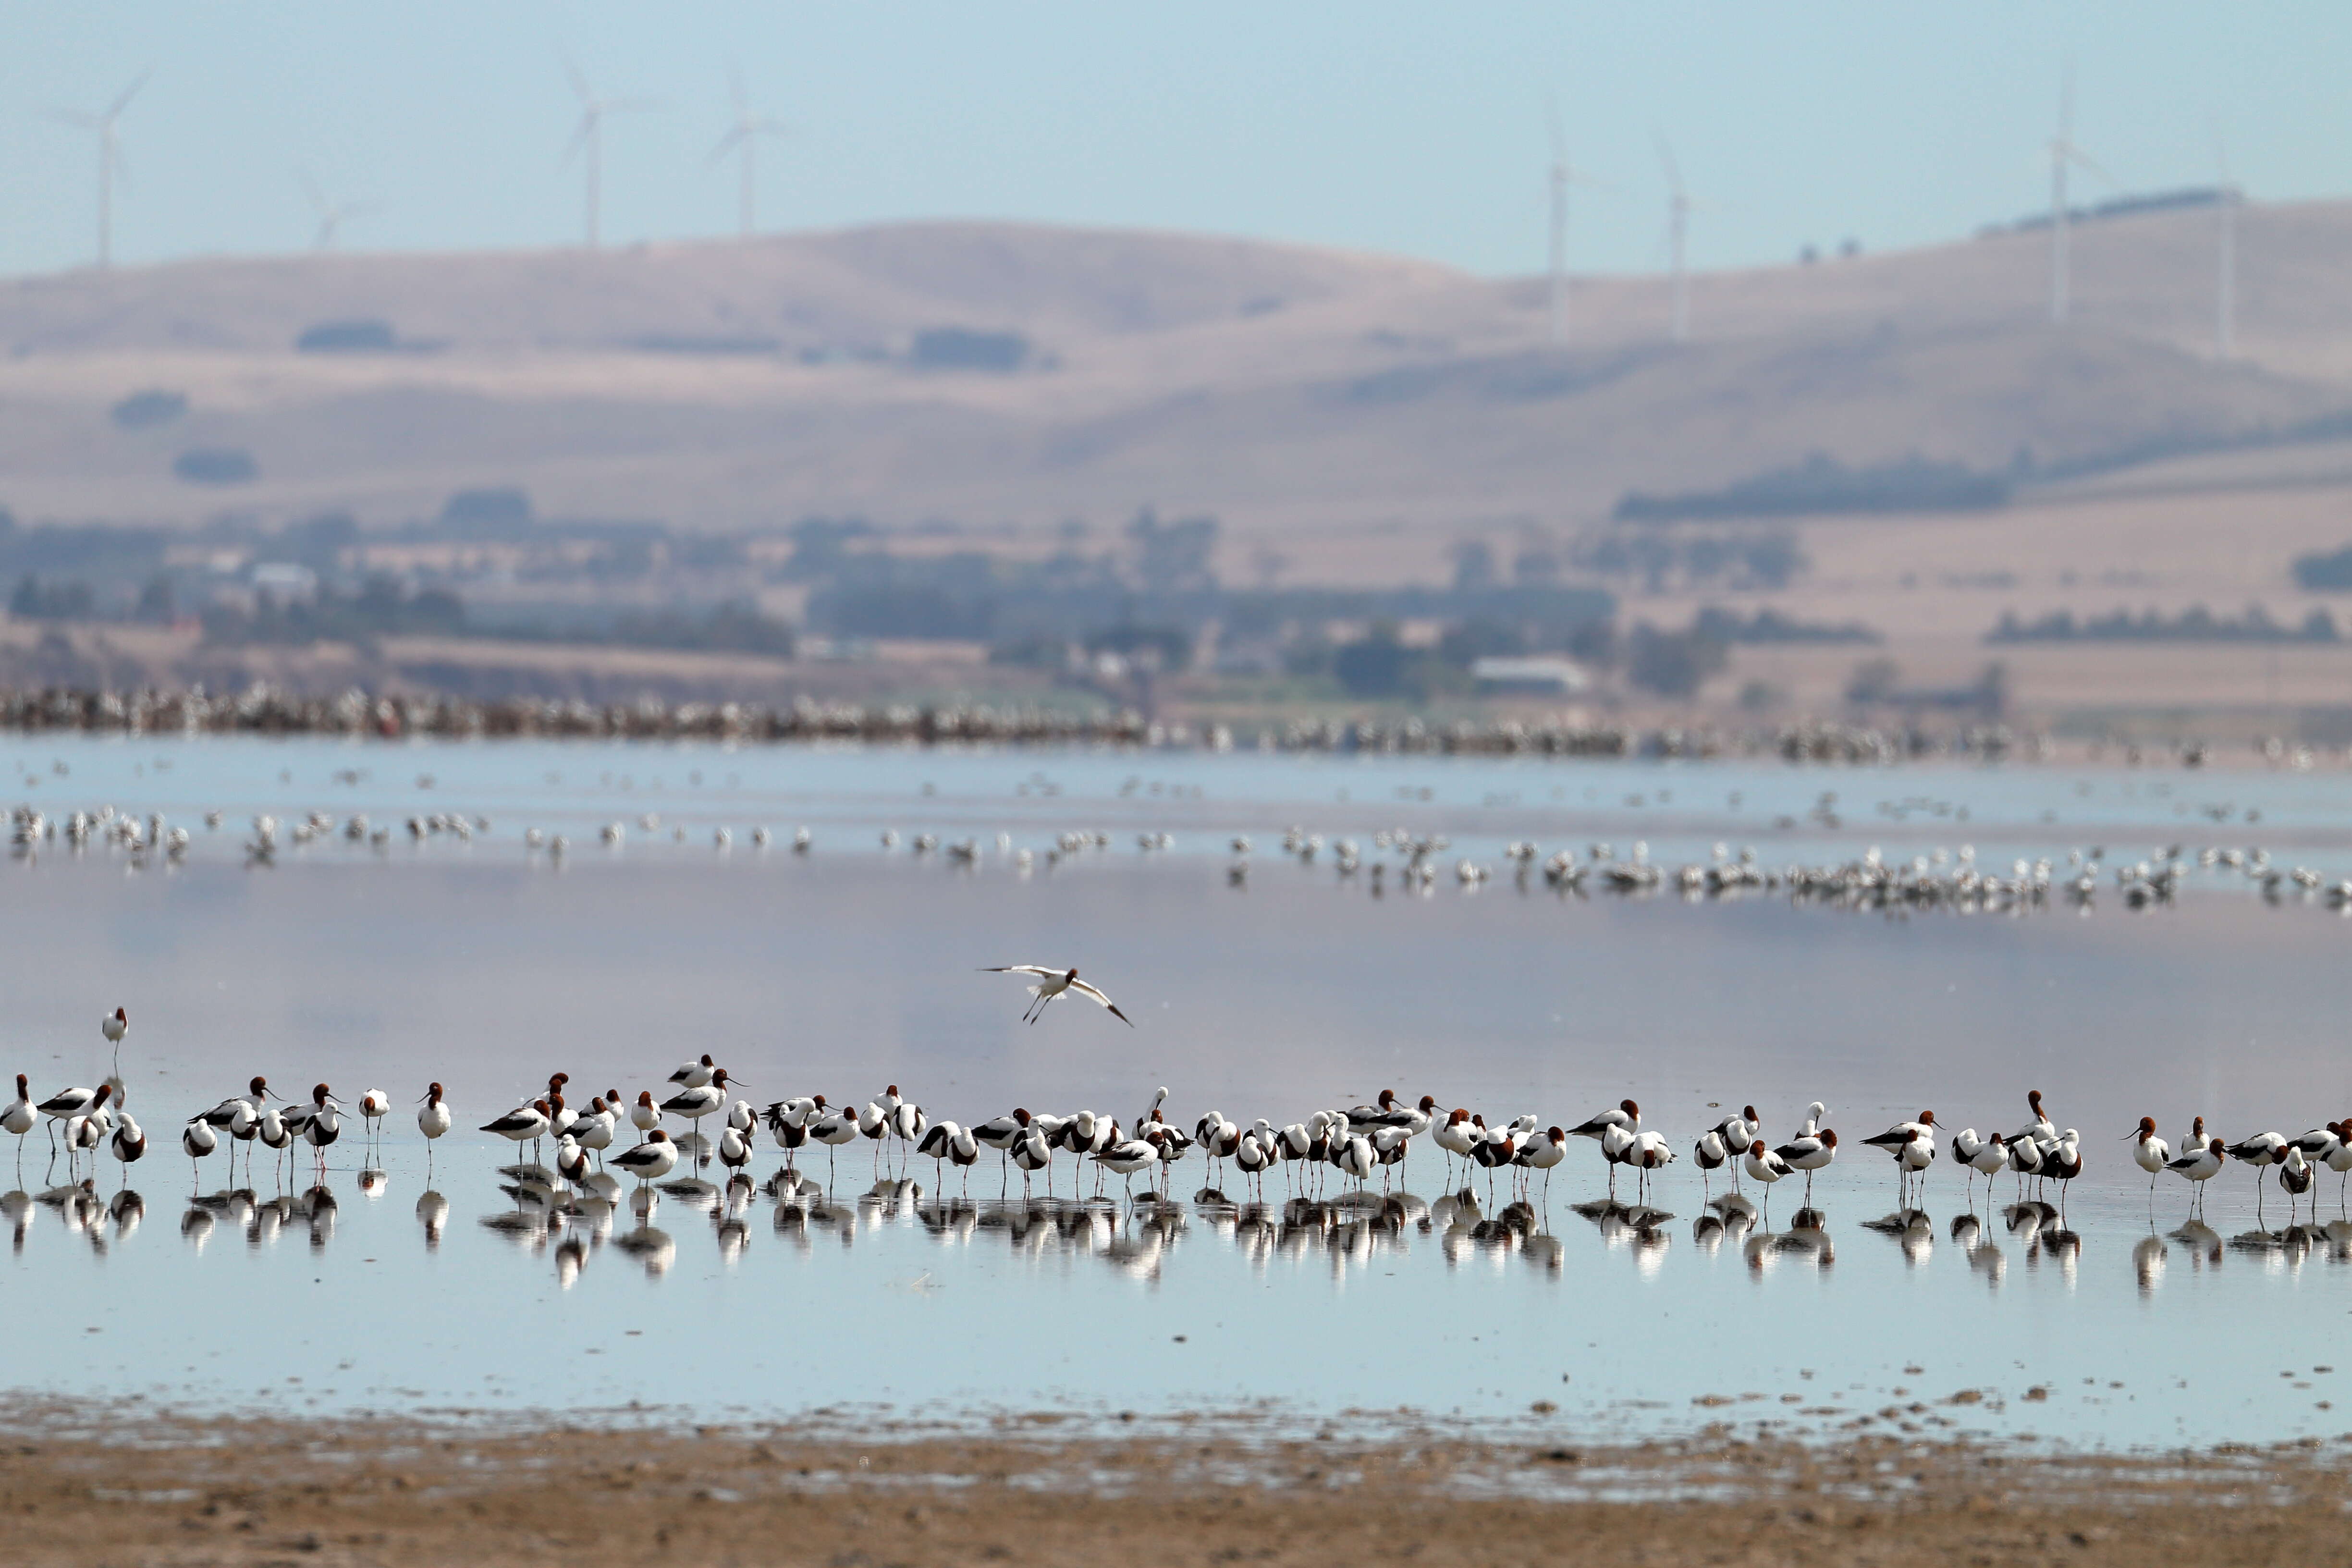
(88,1485)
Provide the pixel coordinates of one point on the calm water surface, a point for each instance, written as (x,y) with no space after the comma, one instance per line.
(488,966)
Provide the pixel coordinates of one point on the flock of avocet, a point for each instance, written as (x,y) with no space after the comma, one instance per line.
(1358,1143)
(1950,879)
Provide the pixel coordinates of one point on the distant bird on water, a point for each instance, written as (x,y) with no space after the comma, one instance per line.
(1054,983)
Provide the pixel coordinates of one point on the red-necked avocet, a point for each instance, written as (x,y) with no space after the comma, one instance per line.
(734,1149)
(19,1116)
(594,1130)
(1651,1151)
(1544,1151)
(833,1129)
(1763,1165)
(1126,1156)
(2200,1165)
(1000,1133)
(945,1141)
(2149,1152)
(1809,1152)
(197,1141)
(649,1161)
(2261,1151)
(523,1124)
(1913,1146)
(130,1141)
(68,1103)
(2339,1159)
(697,1101)
(2295,1175)
(432,1119)
(1710,1154)
(323,1123)
(1980,1156)
(2040,1129)
(1052,983)
(1454,1135)
(1031,1152)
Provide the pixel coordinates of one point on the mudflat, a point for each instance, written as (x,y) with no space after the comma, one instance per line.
(121,1484)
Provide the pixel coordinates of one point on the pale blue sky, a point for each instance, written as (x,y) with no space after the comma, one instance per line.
(1383,124)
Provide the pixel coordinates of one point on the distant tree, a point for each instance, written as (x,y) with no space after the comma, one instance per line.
(1480,637)
(1672,664)
(1874,680)
(361,336)
(487,509)
(1174,557)
(1992,689)
(2327,573)
(1535,567)
(39,600)
(819,546)
(960,348)
(319,541)
(217,466)
(157,603)
(1474,566)
(1374,664)
(145,410)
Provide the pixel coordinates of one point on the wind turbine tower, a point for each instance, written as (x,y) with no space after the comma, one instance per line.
(109,159)
(588,142)
(1679,208)
(1559,258)
(742,139)
(2225,320)
(2064,154)
(1563,175)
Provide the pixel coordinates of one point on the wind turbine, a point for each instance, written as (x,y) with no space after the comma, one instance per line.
(1562,174)
(2225,324)
(2064,154)
(588,138)
(332,214)
(109,159)
(743,138)
(1678,210)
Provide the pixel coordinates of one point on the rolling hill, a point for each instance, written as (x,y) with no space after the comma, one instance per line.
(1004,373)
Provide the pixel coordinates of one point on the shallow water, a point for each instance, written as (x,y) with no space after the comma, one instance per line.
(488,966)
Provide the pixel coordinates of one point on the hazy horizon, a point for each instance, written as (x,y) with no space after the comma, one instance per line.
(1406,133)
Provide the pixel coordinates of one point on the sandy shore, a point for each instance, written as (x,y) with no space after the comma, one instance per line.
(86,1486)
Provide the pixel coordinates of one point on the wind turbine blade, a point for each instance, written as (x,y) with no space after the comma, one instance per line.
(129,93)
(587,128)
(1674,169)
(310,189)
(2083,160)
(727,144)
(1558,139)
(578,82)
